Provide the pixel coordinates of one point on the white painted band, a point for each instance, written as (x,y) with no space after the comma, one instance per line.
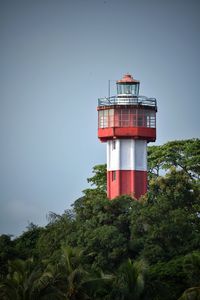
(127,154)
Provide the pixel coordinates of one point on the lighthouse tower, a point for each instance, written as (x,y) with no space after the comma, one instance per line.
(127,122)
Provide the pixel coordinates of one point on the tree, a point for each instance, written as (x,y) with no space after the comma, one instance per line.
(19,283)
(28,281)
(7,252)
(76,282)
(97,250)
(25,244)
(102,229)
(165,228)
(54,235)
(129,280)
(168,223)
(99,178)
(183,155)
(71,269)
(191,266)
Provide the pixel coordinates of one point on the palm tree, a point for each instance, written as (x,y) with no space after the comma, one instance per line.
(79,283)
(19,281)
(27,282)
(129,282)
(71,274)
(66,280)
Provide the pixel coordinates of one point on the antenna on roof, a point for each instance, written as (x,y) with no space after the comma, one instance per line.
(109,88)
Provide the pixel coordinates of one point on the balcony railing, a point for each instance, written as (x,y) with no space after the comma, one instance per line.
(136,100)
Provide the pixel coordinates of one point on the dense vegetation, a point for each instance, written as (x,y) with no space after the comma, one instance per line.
(120,249)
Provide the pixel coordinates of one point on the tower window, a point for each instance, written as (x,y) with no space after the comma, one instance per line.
(113,145)
(113,175)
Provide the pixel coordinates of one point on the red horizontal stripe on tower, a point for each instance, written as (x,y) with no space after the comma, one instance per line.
(148,134)
(126,182)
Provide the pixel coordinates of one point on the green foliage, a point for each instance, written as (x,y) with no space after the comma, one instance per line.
(25,245)
(20,280)
(120,249)
(191,266)
(7,252)
(102,229)
(165,230)
(129,280)
(99,178)
(170,225)
(165,279)
(183,155)
(54,235)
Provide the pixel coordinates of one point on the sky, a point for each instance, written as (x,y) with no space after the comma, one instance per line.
(56,57)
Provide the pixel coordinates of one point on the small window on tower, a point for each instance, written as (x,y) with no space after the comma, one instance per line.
(113,175)
(113,145)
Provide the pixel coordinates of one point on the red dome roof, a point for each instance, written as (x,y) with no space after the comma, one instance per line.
(127,79)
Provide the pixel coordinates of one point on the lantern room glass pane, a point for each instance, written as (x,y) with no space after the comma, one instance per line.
(150,119)
(105,118)
(125,118)
(128,89)
(111,118)
(100,119)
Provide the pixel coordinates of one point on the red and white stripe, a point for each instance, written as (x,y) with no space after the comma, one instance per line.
(126,167)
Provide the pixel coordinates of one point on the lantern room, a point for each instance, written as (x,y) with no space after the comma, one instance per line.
(128,86)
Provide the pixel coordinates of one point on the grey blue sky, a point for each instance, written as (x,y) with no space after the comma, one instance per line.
(56,57)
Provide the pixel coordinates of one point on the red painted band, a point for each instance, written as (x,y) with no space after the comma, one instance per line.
(125,182)
(148,134)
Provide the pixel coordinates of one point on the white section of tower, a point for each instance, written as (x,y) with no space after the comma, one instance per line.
(126,154)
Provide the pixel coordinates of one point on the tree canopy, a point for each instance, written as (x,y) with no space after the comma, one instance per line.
(121,249)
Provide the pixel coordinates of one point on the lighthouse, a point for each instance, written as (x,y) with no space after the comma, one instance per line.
(126,123)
